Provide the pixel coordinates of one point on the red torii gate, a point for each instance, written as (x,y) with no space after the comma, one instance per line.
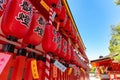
(107,67)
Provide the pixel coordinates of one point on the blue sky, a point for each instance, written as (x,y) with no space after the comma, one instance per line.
(93,19)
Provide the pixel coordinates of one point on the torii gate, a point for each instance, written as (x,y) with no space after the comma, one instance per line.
(107,68)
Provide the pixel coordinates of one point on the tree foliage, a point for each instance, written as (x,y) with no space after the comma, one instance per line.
(117,2)
(114,46)
(92,69)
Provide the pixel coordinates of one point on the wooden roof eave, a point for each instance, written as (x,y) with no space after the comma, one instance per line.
(75,27)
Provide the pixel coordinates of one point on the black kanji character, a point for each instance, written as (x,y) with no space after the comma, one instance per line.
(64,50)
(59,46)
(39,31)
(26,7)
(20,17)
(54,31)
(55,40)
(65,43)
(59,39)
(1,8)
(41,21)
(2,1)
(1,4)
(25,19)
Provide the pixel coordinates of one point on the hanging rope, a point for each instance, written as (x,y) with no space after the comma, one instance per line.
(48,57)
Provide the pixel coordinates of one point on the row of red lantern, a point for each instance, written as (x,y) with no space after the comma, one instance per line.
(19,21)
(65,22)
(15,24)
(62,18)
(18,17)
(18,24)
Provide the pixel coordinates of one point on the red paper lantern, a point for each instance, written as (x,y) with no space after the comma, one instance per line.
(59,42)
(35,34)
(73,36)
(52,3)
(68,55)
(73,57)
(49,43)
(55,4)
(62,17)
(68,26)
(70,30)
(57,10)
(63,49)
(17,18)
(63,14)
(3,4)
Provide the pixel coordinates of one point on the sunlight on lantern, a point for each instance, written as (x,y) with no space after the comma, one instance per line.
(117,2)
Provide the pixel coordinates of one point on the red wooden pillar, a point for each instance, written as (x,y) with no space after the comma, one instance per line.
(115,77)
(58,74)
(111,76)
(55,73)
(41,67)
(98,71)
(51,71)
(18,70)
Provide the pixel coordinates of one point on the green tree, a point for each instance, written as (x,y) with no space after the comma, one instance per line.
(92,69)
(117,2)
(114,46)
